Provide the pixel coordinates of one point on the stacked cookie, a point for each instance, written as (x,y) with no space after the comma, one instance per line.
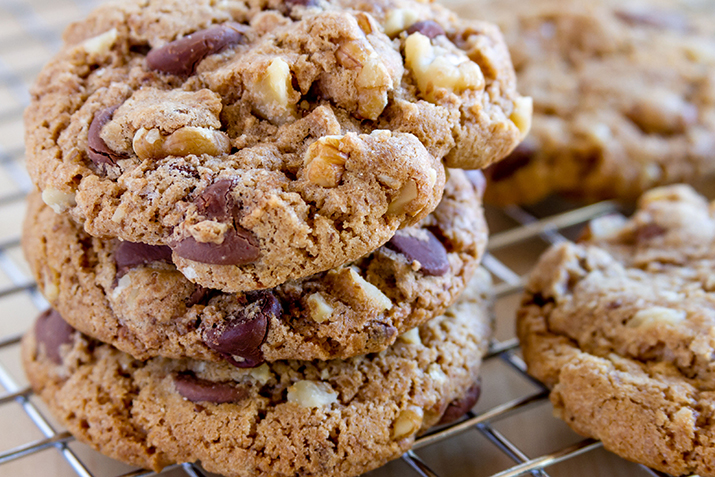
(248,232)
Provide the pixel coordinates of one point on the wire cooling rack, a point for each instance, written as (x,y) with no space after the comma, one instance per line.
(510,432)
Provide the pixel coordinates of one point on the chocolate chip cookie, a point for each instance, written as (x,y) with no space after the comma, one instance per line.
(624,96)
(288,418)
(621,327)
(266,141)
(132,296)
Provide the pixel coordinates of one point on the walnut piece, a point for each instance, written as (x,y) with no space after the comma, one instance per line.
(656,315)
(372,82)
(435,67)
(325,162)
(274,91)
(408,422)
(320,310)
(57,200)
(311,394)
(102,43)
(152,144)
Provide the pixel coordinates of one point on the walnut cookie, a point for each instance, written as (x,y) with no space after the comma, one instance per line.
(266,141)
(288,418)
(624,96)
(621,327)
(132,296)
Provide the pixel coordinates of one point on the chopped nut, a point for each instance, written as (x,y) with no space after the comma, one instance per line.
(311,394)
(372,82)
(411,337)
(656,315)
(521,115)
(101,44)
(51,287)
(435,372)
(378,298)
(274,90)
(398,20)
(663,113)
(324,161)
(351,54)
(123,285)
(57,200)
(320,310)
(262,374)
(151,144)
(408,422)
(606,226)
(435,67)
(189,273)
(366,22)
(407,194)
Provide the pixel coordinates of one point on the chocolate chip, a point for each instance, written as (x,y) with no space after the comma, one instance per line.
(97,150)
(507,167)
(128,255)
(182,56)
(664,20)
(424,249)
(51,331)
(215,201)
(476,177)
(459,407)
(302,3)
(239,247)
(201,390)
(429,28)
(199,295)
(649,231)
(243,335)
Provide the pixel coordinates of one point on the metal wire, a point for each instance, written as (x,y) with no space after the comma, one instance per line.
(527,229)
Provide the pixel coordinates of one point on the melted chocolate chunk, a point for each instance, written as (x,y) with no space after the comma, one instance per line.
(182,56)
(429,28)
(302,3)
(240,339)
(215,202)
(239,247)
(129,255)
(200,295)
(429,252)
(97,150)
(459,407)
(51,331)
(201,390)
(649,231)
(507,167)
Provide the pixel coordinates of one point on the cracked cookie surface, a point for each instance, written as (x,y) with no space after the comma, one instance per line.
(288,418)
(621,328)
(134,298)
(266,141)
(624,96)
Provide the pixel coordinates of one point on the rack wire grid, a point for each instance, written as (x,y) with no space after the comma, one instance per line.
(510,432)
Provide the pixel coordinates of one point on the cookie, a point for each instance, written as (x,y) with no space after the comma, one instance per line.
(624,96)
(621,327)
(266,141)
(338,418)
(132,296)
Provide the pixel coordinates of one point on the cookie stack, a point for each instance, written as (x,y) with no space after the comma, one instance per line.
(248,232)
